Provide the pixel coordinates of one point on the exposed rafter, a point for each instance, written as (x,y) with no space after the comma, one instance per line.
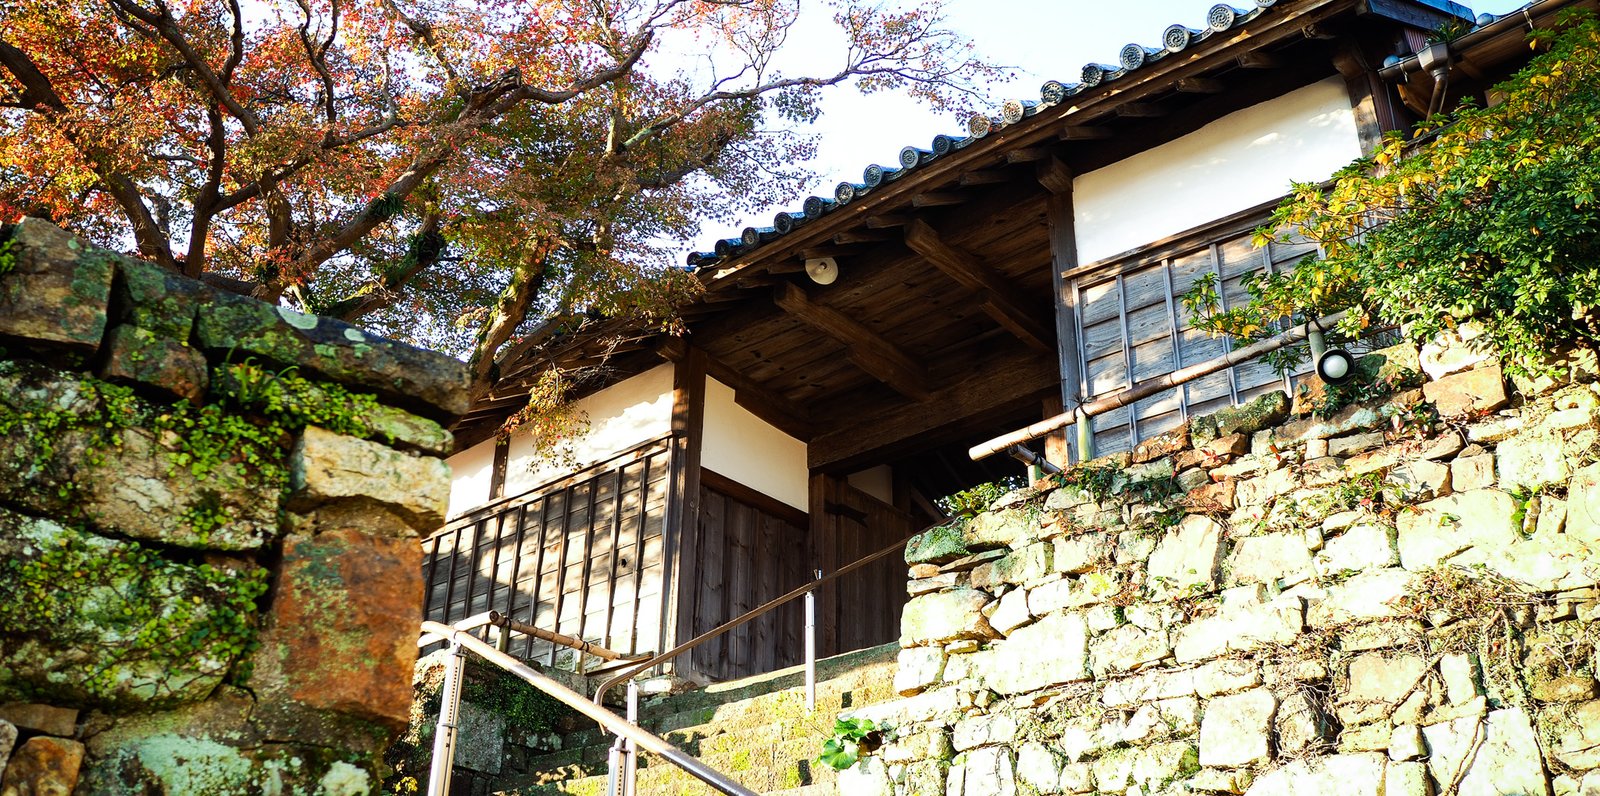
(873,354)
(1078,132)
(782,413)
(937,199)
(1001,300)
(1201,85)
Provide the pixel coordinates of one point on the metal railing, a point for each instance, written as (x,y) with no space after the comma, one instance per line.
(1080,415)
(444,740)
(758,612)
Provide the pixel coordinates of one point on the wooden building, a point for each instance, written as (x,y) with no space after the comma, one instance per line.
(983,282)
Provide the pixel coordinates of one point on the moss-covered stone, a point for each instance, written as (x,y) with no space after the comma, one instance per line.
(151,297)
(146,358)
(54,293)
(90,621)
(1264,411)
(426,382)
(936,546)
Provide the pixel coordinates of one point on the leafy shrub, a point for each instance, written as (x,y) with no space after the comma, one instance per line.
(1489,213)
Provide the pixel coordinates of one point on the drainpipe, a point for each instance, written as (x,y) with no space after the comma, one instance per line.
(1435,60)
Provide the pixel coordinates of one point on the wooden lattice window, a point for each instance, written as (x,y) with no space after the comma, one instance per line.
(1131,326)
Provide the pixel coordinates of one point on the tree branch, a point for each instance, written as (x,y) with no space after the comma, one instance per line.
(527,282)
(162,23)
(427,245)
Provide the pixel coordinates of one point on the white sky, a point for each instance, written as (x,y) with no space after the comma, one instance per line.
(1045,40)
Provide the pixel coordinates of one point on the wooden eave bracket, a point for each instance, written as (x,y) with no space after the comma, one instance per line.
(1001,301)
(882,359)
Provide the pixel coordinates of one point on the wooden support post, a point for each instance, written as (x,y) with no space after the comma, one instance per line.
(497,476)
(679,532)
(1369,97)
(1063,259)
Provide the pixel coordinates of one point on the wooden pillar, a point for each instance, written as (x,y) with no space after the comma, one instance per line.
(497,476)
(1370,97)
(824,556)
(1057,177)
(680,528)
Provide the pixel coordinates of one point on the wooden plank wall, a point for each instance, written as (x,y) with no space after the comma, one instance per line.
(863,608)
(1132,327)
(582,557)
(752,549)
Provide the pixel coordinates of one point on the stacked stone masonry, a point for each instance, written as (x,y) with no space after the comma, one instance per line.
(1398,599)
(209,520)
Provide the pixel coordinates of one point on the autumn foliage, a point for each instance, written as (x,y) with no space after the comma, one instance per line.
(446,171)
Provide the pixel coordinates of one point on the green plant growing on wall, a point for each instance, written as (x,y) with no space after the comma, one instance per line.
(968,503)
(1489,213)
(852,738)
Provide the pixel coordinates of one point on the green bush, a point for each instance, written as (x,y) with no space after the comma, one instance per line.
(1489,213)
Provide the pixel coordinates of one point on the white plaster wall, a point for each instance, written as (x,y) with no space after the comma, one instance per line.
(620,416)
(875,481)
(471,471)
(1236,162)
(744,447)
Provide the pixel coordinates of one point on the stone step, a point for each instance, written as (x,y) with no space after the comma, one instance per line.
(756,730)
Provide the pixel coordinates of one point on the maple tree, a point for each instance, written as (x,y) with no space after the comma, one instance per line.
(449,172)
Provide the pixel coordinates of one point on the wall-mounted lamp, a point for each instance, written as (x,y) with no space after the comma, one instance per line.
(1335,366)
(822,270)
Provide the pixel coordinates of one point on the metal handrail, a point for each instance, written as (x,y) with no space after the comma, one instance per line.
(1081,413)
(754,613)
(645,739)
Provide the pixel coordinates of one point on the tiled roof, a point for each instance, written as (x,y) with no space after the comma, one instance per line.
(1221,18)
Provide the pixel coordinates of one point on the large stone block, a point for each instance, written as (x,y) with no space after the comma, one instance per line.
(1530,462)
(1500,756)
(44,719)
(91,621)
(1391,686)
(1359,774)
(43,767)
(1001,528)
(126,480)
(1583,504)
(151,297)
(1127,648)
(55,293)
(918,668)
(325,467)
(1472,392)
(429,383)
(362,595)
(1188,558)
(145,358)
(1363,546)
(1235,729)
(1578,745)
(1366,597)
(936,545)
(1241,629)
(1270,558)
(1483,527)
(1014,666)
(945,616)
(1263,412)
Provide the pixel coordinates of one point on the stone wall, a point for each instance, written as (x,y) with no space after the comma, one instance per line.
(1397,599)
(209,518)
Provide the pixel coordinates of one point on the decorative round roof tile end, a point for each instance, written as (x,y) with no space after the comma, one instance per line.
(1132,57)
(979,125)
(1176,38)
(1093,74)
(844,192)
(1221,17)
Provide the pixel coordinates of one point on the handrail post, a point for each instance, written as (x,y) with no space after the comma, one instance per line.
(811,645)
(630,750)
(444,736)
(1085,436)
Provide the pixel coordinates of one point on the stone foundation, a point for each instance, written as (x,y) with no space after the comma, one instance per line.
(1396,599)
(209,519)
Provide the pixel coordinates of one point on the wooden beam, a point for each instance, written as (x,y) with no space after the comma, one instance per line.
(1001,300)
(1141,110)
(1007,381)
(848,238)
(1259,60)
(1078,132)
(1365,88)
(873,354)
(1318,31)
(1201,85)
(816,252)
(938,199)
(1054,175)
(971,178)
(1027,155)
(887,220)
